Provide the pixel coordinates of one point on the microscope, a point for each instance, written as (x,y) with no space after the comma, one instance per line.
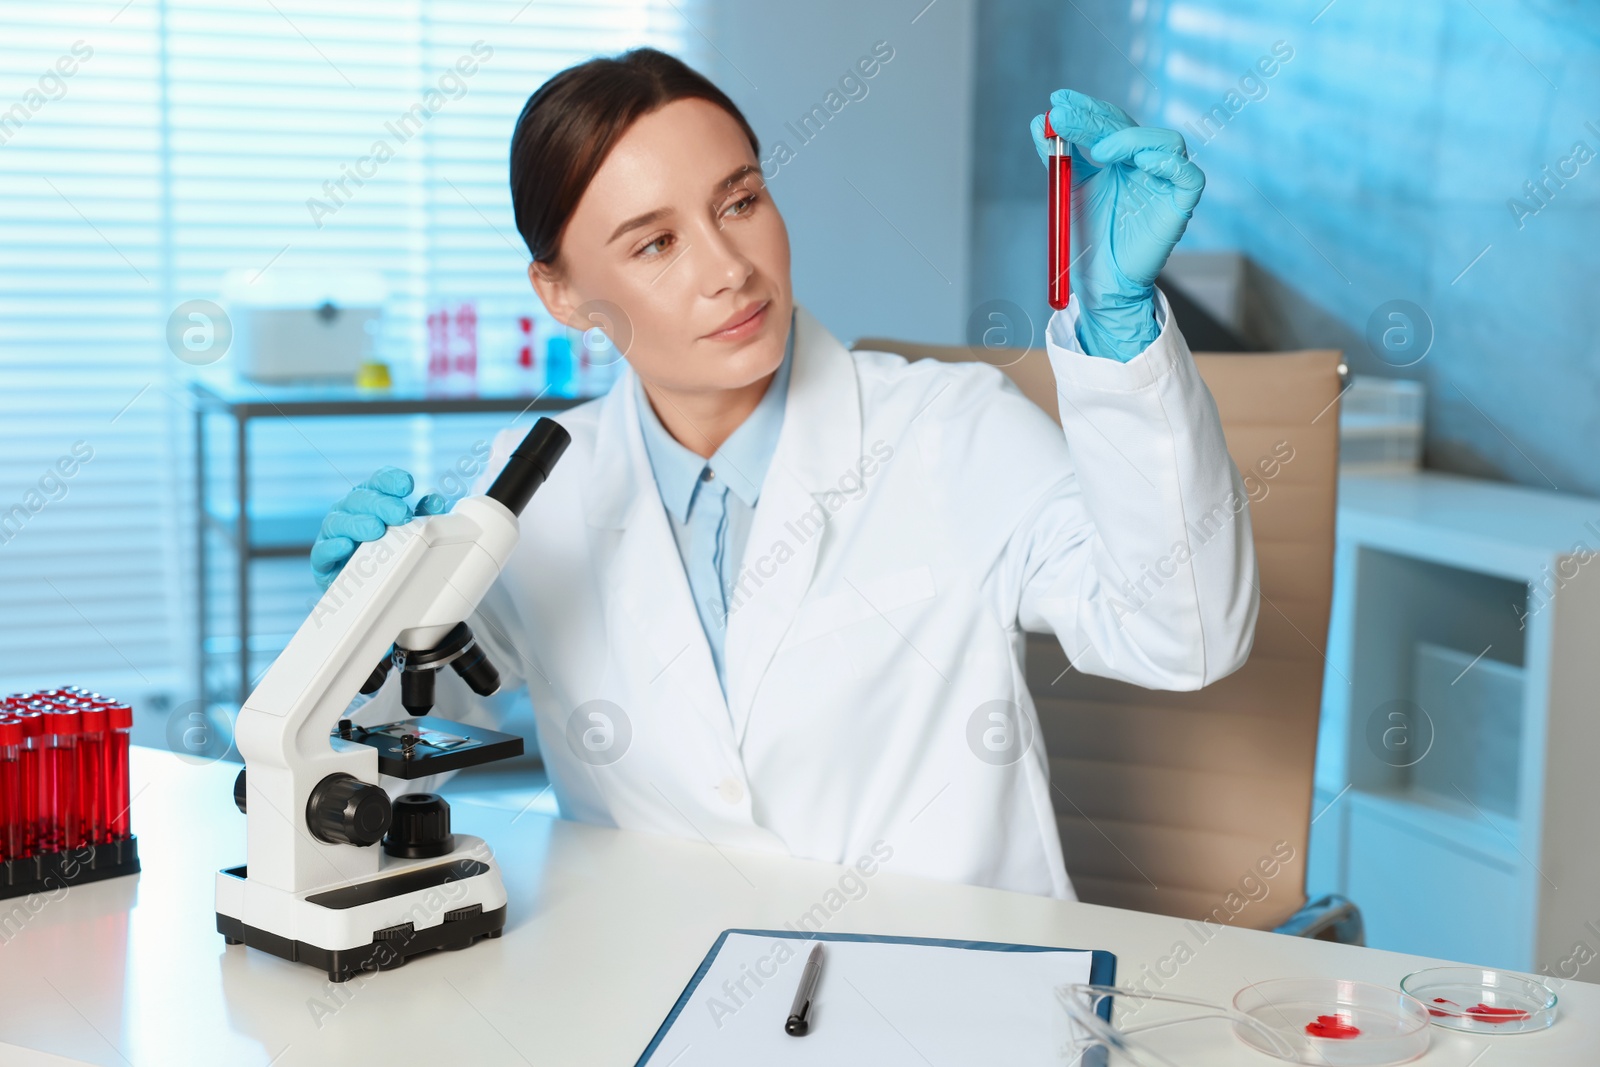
(337,875)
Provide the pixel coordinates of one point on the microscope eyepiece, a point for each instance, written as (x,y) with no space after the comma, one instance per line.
(530,464)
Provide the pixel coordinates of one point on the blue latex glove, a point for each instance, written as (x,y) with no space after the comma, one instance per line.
(1135,189)
(365,513)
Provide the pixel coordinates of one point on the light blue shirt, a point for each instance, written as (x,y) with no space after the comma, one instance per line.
(710,503)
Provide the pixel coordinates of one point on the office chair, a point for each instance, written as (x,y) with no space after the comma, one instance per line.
(1180,803)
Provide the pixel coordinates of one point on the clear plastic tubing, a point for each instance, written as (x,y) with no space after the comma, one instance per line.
(1060,217)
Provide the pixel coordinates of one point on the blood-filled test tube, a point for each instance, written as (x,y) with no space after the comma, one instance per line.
(28,761)
(34,713)
(1060,237)
(94,777)
(61,821)
(46,825)
(11,742)
(117,799)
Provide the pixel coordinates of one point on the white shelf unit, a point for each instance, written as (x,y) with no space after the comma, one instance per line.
(1458,762)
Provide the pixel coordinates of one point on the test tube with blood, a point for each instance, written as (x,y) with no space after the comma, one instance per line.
(117,799)
(28,778)
(11,742)
(93,778)
(1060,216)
(45,826)
(62,822)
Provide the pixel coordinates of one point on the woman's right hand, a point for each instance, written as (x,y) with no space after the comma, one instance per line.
(1135,189)
(365,514)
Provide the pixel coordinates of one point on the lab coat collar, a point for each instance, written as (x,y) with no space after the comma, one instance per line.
(820,440)
(819,443)
(741,461)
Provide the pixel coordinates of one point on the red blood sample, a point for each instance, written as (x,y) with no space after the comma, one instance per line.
(1060,238)
(117,800)
(1332,1026)
(12,739)
(1488,1014)
(1480,1011)
(61,820)
(28,763)
(94,778)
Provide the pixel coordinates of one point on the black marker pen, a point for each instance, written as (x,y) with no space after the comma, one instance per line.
(800,1012)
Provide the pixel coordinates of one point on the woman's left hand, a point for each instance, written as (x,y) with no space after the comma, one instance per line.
(1135,189)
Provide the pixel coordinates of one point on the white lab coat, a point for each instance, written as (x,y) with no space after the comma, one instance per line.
(916,519)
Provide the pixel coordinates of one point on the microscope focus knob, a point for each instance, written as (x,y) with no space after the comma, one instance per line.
(344,810)
(421,827)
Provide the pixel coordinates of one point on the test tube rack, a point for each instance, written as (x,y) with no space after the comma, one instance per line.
(64,803)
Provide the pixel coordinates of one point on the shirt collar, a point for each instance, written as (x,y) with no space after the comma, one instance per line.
(741,462)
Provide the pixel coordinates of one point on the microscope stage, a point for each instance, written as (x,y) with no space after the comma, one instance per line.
(439,745)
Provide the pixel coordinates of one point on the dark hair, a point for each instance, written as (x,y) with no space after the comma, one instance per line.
(569,125)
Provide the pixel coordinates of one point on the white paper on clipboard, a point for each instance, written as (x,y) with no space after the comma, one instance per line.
(879,1001)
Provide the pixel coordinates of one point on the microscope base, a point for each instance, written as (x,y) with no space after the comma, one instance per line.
(383,955)
(372,925)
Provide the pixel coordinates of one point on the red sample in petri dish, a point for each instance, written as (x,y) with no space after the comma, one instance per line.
(1333,1026)
(1060,236)
(1499,1015)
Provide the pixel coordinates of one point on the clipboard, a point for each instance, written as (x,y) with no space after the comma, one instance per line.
(923,993)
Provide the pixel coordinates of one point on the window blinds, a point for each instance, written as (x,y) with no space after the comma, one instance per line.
(148,148)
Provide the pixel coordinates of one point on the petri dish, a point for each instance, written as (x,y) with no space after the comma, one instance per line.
(1481,1000)
(1333,1022)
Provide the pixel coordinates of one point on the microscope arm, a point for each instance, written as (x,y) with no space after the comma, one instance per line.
(408,589)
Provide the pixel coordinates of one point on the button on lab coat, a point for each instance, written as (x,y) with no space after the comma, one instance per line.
(917,518)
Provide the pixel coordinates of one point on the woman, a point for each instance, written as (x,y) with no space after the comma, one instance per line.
(774,594)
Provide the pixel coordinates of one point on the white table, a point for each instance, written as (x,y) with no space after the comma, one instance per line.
(605,929)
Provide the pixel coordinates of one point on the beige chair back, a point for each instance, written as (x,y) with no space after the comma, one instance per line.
(1181,803)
